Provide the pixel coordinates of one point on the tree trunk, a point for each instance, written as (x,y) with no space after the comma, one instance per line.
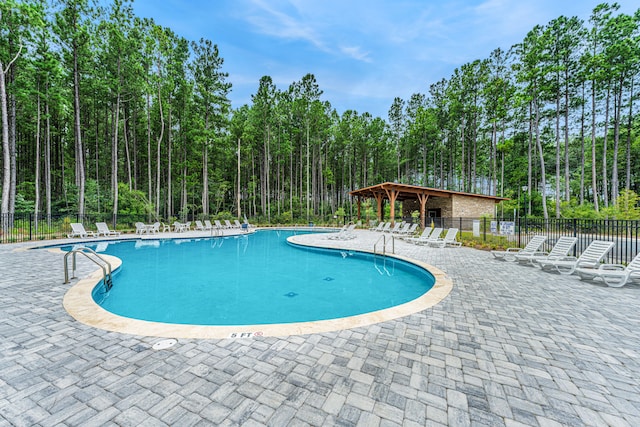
(557,195)
(80,177)
(6,162)
(114,156)
(543,175)
(36,180)
(617,112)
(159,142)
(594,172)
(627,184)
(126,149)
(47,158)
(582,147)
(605,183)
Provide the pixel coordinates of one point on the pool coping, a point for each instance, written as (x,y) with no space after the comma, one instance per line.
(79,303)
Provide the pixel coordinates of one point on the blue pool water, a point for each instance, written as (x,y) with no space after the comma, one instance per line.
(252,279)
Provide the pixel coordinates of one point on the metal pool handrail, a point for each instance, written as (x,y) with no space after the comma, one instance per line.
(91,255)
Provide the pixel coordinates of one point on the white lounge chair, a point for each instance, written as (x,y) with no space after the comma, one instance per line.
(228,224)
(412,229)
(208,225)
(423,237)
(237,223)
(614,275)
(199,226)
(561,249)
(386,227)
(345,233)
(402,230)
(448,240)
(433,237)
(510,254)
(103,229)
(77,230)
(395,228)
(590,258)
(377,227)
(218,224)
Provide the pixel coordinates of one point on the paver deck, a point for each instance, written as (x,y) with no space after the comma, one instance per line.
(511,345)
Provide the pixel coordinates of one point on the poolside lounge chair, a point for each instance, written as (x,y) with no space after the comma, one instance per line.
(77,230)
(402,230)
(590,258)
(377,227)
(208,225)
(561,249)
(228,224)
(614,275)
(237,223)
(448,240)
(510,254)
(385,227)
(199,226)
(421,238)
(395,229)
(433,237)
(103,229)
(345,233)
(218,224)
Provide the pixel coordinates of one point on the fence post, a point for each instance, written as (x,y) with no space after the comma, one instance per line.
(484,233)
(30,230)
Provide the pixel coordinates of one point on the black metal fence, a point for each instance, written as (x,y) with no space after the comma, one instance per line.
(625,233)
(28,227)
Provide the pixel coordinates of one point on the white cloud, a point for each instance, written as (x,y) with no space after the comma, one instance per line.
(356,52)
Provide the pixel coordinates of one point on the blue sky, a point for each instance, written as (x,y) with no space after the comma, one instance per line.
(363,53)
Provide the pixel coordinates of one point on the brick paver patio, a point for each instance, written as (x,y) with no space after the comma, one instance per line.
(510,345)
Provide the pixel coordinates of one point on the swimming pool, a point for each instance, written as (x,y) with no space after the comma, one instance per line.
(252,279)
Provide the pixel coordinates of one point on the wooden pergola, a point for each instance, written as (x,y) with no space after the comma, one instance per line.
(398,192)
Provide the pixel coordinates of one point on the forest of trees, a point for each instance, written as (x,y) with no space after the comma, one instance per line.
(105,112)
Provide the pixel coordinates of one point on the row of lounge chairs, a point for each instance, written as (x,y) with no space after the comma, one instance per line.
(78,230)
(588,266)
(431,237)
(399,229)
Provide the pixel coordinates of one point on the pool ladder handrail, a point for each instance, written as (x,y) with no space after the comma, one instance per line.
(91,255)
(384,244)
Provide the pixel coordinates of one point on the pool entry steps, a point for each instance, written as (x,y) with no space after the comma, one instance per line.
(95,258)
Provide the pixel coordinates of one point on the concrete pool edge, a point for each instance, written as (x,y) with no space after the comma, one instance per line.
(80,305)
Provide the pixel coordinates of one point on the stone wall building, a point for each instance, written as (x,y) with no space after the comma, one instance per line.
(429,202)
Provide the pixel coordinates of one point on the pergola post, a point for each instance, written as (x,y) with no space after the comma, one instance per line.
(422,198)
(359,202)
(393,195)
(379,198)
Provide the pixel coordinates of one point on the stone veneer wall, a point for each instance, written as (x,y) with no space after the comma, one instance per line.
(472,207)
(454,207)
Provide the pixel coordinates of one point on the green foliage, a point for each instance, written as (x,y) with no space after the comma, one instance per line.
(154,110)
(572,209)
(133,202)
(627,205)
